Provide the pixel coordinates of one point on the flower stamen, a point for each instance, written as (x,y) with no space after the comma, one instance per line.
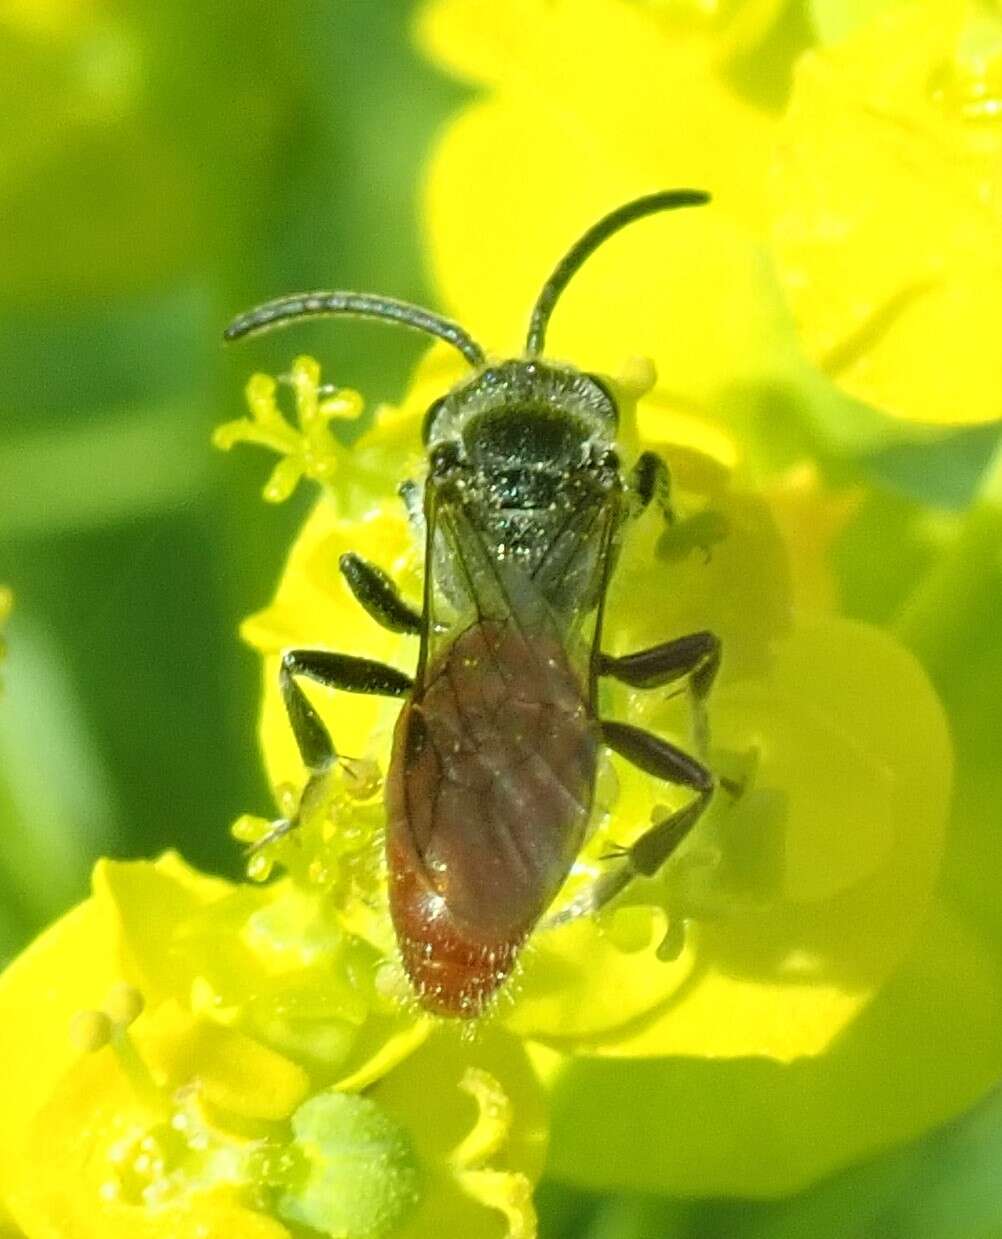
(92,1030)
(309,451)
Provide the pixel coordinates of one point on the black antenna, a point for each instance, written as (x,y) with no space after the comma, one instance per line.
(569,265)
(364,305)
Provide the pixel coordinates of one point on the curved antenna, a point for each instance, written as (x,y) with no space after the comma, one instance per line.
(285,310)
(569,265)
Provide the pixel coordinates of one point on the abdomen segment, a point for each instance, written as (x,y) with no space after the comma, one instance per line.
(488,799)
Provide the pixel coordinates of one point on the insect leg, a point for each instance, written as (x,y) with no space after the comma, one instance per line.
(317,749)
(695,656)
(354,675)
(646,855)
(378,594)
(656,756)
(650,479)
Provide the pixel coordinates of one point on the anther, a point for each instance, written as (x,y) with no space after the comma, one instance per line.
(637,376)
(90,1031)
(124,1004)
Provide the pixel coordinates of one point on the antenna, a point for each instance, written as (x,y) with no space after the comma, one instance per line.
(572,261)
(285,310)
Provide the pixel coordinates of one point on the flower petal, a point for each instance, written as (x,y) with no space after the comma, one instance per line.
(811,886)
(750,1127)
(621,109)
(888,228)
(314,607)
(147,901)
(67,969)
(465,1081)
(86,1158)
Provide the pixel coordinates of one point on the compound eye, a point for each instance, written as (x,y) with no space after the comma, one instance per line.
(612,409)
(428,425)
(443,456)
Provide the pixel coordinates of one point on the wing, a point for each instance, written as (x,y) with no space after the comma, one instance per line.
(541,573)
(494,758)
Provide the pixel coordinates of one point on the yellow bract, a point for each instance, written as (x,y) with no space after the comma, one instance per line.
(591,105)
(887,216)
(755,1127)
(241,1049)
(855,230)
(848,267)
(314,596)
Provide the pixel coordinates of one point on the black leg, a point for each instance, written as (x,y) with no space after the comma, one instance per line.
(696,656)
(656,756)
(353,675)
(647,854)
(378,594)
(650,479)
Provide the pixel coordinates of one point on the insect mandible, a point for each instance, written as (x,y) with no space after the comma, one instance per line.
(491,780)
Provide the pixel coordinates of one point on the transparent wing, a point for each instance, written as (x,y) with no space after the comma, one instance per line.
(498,755)
(543,581)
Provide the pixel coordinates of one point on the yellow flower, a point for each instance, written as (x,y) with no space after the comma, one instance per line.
(887,216)
(848,267)
(189,1058)
(855,234)
(591,104)
(247,1059)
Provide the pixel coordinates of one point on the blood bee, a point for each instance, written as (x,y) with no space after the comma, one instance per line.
(491,778)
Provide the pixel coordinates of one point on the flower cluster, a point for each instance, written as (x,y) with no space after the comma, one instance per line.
(823,319)
(210,1059)
(247,1059)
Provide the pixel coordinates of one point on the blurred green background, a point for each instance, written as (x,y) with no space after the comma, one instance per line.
(163,167)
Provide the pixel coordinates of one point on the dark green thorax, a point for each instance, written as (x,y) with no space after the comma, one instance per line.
(523,505)
(526,448)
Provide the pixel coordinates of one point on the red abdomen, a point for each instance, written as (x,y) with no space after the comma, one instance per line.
(488,798)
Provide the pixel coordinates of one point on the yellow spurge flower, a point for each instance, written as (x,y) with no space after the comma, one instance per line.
(771,932)
(848,266)
(887,214)
(855,237)
(189,1059)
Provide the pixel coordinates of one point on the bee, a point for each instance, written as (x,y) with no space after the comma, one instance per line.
(491,780)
